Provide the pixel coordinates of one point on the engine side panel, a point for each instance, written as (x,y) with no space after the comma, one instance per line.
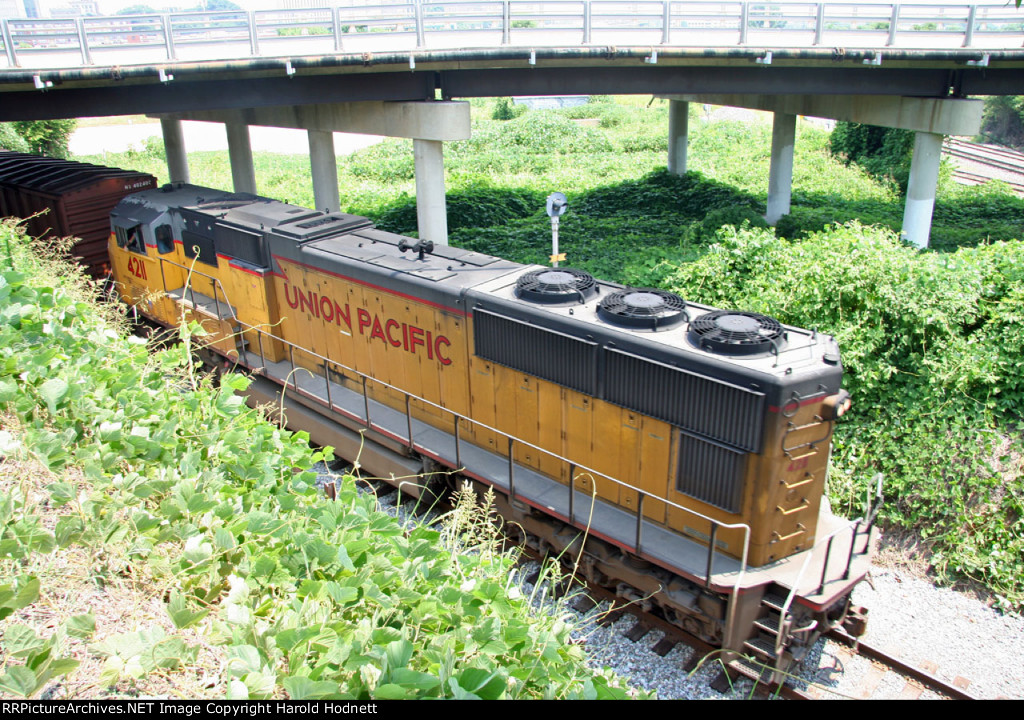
(658,418)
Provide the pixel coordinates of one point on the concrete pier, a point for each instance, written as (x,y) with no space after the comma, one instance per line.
(931,118)
(678,135)
(429,124)
(324,169)
(174,149)
(243,172)
(780,174)
(924,180)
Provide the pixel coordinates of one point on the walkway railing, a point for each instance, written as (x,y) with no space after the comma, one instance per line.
(365,383)
(146,39)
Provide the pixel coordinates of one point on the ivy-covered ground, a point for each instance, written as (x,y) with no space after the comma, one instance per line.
(933,341)
(158,537)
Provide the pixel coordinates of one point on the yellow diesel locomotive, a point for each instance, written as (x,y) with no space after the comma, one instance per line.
(678,451)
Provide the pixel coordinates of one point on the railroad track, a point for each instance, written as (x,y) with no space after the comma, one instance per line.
(885,677)
(969,178)
(888,677)
(977,163)
(917,676)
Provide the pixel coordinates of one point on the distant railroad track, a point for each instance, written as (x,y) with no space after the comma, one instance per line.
(978,163)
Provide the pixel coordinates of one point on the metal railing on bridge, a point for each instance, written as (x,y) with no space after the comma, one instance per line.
(411,26)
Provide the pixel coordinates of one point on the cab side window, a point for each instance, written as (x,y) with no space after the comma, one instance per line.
(164,239)
(131,238)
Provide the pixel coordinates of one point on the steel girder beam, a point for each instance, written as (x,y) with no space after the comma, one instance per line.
(178,96)
(136,95)
(677,80)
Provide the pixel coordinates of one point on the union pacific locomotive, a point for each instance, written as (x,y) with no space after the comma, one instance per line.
(677,451)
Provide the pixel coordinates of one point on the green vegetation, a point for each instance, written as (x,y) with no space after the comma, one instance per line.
(11,140)
(884,152)
(932,340)
(505,109)
(931,347)
(168,483)
(1003,121)
(44,137)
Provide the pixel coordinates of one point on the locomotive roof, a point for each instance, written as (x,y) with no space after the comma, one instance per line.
(147,205)
(804,361)
(375,258)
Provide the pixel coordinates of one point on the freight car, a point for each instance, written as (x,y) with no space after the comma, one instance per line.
(63,198)
(678,451)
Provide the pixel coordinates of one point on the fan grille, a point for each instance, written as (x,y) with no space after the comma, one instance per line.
(735,332)
(645,308)
(556,285)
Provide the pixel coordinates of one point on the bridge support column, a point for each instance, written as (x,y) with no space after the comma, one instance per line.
(924,180)
(780,176)
(324,168)
(174,148)
(243,173)
(429,124)
(431,215)
(678,135)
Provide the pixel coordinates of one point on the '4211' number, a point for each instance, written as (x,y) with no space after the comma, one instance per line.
(137,268)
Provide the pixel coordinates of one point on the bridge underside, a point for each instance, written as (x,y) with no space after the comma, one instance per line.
(429,124)
(920,90)
(421,75)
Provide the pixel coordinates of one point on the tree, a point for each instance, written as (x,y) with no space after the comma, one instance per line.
(1003,120)
(218,6)
(11,140)
(46,137)
(883,152)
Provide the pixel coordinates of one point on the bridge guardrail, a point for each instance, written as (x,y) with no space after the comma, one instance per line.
(128,39)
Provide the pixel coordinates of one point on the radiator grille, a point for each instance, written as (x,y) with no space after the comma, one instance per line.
(712,408)
(711,472)
(536,351)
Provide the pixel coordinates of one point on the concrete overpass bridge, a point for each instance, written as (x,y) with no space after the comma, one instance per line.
(395,69)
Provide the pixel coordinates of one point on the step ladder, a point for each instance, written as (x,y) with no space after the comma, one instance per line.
(767,655)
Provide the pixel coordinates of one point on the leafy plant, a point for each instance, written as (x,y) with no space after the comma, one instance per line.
(931,345)
(11,140)
(308,598)
(1003,120)
(46,137)
(505,109)
(883,152)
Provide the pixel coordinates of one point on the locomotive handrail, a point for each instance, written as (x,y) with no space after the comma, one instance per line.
(512,439)
(828,539)
(327,362)
(528,23)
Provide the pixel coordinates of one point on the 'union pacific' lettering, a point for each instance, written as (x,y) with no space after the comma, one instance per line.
(320,307)
(410,338)
(397,334)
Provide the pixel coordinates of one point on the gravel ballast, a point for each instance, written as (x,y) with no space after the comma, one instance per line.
(951,634)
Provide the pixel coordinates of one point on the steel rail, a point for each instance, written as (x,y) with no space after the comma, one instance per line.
(922,676)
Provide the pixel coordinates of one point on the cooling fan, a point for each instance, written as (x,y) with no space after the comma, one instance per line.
(735,332)
(556,285)
(643,308)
